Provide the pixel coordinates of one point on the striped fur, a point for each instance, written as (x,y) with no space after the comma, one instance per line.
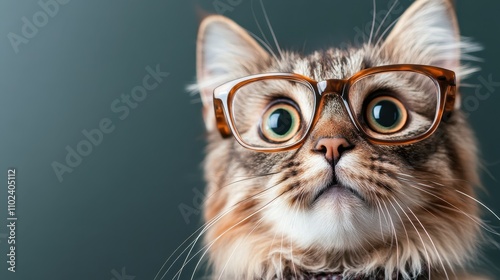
(417,213)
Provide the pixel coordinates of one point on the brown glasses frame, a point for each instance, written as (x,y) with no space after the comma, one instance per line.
(444,80)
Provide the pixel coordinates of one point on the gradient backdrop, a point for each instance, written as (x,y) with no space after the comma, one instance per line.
(116,215)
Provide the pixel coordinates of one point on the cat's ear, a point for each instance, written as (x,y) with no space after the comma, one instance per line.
(428,33)
(225,51)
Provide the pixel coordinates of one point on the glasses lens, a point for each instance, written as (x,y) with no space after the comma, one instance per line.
(399,105)
(273,113)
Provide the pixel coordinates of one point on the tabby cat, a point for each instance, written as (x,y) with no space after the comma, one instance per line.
(343,163)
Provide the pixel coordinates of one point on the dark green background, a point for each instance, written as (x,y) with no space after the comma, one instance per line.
(119,207)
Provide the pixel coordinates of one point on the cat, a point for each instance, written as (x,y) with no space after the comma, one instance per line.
(403,211)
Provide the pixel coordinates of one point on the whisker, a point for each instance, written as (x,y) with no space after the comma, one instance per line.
(272,242)
(281,255)
(418,233)
(433,245)
(263,41)
(373,21)
(383,34)
(385,17)
(379,208)
(436,183)
(218,219)
(240,181)
(204,228)
(239,243)
(393,229)
(209,245)
(291,243)
(479,222)
(482,204)
(484,167)
(455,208)
(268,48)
(402,223)
(187,260)
(264,37)
(271,29)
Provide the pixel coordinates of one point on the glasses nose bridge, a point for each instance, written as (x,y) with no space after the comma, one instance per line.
(331,86)
(325,88)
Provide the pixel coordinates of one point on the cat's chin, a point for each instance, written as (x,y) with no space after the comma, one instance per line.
(338,219)
(335,192)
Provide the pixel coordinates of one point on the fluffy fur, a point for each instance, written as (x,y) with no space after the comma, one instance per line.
(416,214)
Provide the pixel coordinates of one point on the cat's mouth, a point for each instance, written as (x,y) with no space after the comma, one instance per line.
(338,276)
(337,188)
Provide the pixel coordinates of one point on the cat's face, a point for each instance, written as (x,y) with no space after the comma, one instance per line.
(396,208)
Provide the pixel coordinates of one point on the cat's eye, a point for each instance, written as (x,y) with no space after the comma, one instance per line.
(394,105)
(280,122)
(272,112)
(385,114)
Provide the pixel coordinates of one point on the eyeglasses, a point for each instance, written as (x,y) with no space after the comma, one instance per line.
(388,105)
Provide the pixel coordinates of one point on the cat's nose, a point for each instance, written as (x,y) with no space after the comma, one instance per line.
(332,148)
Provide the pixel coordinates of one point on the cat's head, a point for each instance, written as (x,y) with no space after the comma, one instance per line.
(400,208)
